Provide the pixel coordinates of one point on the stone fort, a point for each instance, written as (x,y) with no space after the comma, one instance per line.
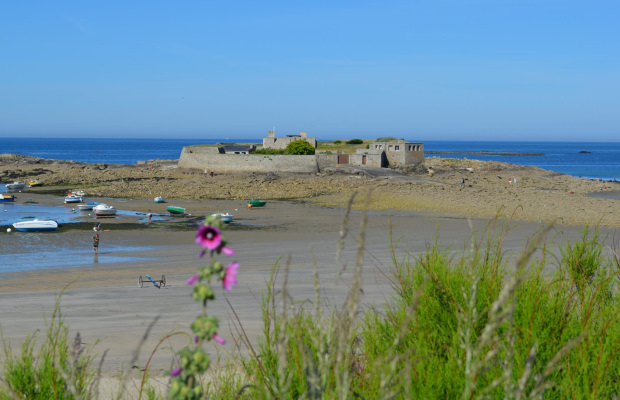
(232,157)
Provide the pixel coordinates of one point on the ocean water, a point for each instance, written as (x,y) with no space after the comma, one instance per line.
(602,160)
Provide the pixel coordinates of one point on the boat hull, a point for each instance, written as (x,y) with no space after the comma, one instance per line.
(256,203)
(15,186)
(225,218)
(159,199)
(173,210)
(87,206)
(6,199)
(36,226)
(104,210)
(74,199)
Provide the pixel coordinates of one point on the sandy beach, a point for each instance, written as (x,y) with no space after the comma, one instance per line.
(106,305)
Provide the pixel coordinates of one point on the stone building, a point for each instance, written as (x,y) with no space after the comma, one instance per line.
(388,154)
(273,142)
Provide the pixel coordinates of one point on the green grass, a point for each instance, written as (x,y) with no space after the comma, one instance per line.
(465,326)
(342,146)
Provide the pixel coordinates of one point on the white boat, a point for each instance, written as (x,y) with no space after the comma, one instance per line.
(15,185)
(72,198)
(87,206)
(224,217)
(78,193)
(36,225)
(159,199)
(104,210)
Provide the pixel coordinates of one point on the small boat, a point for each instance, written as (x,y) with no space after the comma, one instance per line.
(256,203)
(224,217)
(87,206)
(35,182)
(173,210)
(6,198)
(160,199)
(78,193)
(15,185)
(104,210)
(36,225)
(72,198)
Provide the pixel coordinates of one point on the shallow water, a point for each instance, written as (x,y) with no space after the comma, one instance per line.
(58,257)
(63,214)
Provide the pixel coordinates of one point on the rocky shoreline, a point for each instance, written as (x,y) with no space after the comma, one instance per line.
(490,188)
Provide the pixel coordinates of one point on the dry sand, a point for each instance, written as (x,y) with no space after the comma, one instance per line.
(105,304)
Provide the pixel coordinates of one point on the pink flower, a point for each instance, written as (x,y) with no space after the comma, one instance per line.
(176,371)
(228,251)
(230,276)
(192,280)
(196,339)
(208,237)
(219,339)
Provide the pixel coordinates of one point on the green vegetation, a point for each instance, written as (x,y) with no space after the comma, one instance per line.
(270,151)
(386,139)
(300,147)
(467,324)
(355,141)
(340,146)
(59,370)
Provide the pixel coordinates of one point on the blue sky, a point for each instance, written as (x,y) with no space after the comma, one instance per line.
(432,70)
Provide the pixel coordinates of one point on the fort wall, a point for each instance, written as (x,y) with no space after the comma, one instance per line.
(202,157)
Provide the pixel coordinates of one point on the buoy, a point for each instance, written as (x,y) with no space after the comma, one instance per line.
(249,206)
(8,230)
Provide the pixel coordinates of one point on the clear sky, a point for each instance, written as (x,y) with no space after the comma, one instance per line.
(420,70)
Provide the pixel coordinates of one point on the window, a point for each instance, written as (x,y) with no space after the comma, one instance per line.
(396,148)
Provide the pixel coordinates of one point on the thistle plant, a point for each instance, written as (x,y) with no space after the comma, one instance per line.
(194,360)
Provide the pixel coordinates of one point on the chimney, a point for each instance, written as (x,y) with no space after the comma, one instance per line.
(303,134)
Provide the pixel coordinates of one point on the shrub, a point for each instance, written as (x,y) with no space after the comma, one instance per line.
(337,141)
(300,147)
(386,139)
(270,151)
(355,141)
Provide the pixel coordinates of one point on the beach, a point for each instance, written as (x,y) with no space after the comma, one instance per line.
(300,227)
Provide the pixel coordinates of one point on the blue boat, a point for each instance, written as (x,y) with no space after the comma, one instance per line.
(87,206)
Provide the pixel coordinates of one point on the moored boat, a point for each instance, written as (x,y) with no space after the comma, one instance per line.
(256,203)
(6,198)
(15,185)
(87,206)
(35,182)
(36,225)
(174,210)
(224,217)
(104,210)
(72,198)
(160,199)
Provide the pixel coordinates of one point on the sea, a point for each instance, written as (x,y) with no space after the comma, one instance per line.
(591,160)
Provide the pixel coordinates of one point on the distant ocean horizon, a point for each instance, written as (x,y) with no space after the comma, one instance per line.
(589,160)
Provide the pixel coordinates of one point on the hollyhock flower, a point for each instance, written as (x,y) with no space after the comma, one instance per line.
(228,251)
(176,372)
(230,276)
(219,339)
(208,237)
(192,280)
(196,339)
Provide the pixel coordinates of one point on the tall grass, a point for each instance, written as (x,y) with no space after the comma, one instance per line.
(470,325)
(59,369)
